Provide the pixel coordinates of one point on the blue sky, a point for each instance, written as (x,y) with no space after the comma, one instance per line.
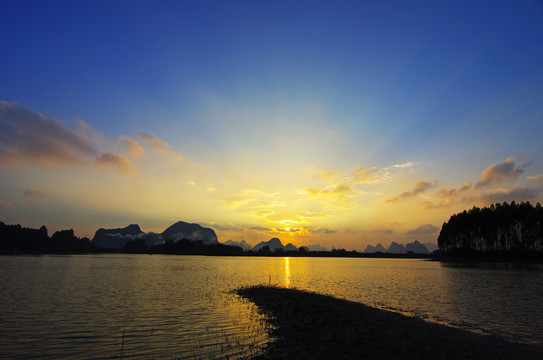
(267,102)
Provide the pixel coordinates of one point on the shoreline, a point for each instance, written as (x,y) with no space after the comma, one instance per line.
(308,325)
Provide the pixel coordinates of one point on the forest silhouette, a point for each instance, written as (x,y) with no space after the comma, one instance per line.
(512,230)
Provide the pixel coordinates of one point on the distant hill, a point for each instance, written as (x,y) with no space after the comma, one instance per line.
(396,248)
(431,247)
(242,244)
(290,247)
(273,244)
(194,232)
(416,247)
(317,247)
(118,238)
(373,249)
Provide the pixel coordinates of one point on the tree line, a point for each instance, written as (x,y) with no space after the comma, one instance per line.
(506,228)
(15,238)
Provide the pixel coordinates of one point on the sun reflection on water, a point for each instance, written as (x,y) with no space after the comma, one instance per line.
(287,273)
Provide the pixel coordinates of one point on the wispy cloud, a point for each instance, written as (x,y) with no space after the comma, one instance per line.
(419,187)
(445,197)
(339,190)
(323,231)
(364,176)
(408,164)
(497,173)
(538,178)
(329,175)
(259,228)
(133,148)
(159,146)
(423,230)
(34,193)
(90,133)
(226,227)
(449,193)
(28,136)
(109,160)
(4,204)
(237,200)
(294,217)
(501,195)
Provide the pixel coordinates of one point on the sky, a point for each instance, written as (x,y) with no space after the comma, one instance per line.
(339,123)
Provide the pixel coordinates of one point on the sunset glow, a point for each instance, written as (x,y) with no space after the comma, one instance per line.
(340,124)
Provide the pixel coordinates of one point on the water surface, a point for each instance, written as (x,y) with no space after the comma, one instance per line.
(80,306)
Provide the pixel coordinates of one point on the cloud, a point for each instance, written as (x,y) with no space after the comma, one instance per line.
(449,193)
(538,178)
(447,196)
(28,136)
(387,231)
(497,173)
(159,146)
(235,201)
(5,205)
(329,175)
(88,130)
(133,148)
(501,195)
(109,160)
(340,189)
(226,227)
(34,193)
(316,247)
(259,213)
(259,228)
(405,165)
(423,230)
(364,176)
(419,187)
(294,217)
(323,231)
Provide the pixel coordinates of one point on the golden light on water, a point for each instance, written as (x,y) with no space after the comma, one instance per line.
(287,272)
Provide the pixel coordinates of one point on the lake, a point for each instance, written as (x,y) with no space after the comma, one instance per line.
(112,306)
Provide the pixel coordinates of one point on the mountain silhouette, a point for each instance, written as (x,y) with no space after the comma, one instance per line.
(117,238)
(415,247)
(273,244)
(396,248)
(194,232)
(242,244)
(290,247)
(374,249)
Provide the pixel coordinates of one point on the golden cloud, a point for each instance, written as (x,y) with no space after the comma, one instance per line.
(4,205)
(418,188)
(340,189)
(33,137)
(34,193)
(364,176)
(133,148)
(497,173)
(160,146)
(538,178)
(109,160)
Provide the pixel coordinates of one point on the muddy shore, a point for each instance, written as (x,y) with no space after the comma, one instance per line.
(307,325)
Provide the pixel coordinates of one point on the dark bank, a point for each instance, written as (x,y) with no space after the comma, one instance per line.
(308,325)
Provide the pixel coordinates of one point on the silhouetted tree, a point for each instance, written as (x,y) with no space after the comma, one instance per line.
(265,250)
(500,228)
